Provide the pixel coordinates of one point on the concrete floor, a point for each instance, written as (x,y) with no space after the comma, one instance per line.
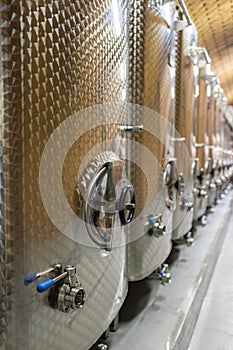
(214,328)
(156,317)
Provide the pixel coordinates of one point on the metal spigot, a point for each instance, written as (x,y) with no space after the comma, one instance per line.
(162,274)
(155,226)
(67,294)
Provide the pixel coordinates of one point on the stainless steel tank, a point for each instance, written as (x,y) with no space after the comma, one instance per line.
(218,141)
(211,163)
(151,80)
(226,132)
(186,119)
(60,57)
(202,142)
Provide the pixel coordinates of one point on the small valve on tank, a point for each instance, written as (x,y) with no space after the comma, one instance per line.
(71,295)
(187,203)
(162,274)
(65,290)
(187,239)
(155,226)
(102,346)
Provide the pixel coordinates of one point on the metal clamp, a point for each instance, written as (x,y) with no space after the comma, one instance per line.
(178,139)
(199,145)
(130,128)
(211,147)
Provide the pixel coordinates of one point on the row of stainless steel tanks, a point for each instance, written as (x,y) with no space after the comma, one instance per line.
(114,143)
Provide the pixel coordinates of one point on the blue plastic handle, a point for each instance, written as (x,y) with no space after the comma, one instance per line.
(30,278)
(42,287)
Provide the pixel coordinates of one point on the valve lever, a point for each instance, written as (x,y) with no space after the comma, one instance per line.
(42,287)
(34,276)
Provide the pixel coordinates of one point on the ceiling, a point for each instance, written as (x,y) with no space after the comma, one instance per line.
(214,23)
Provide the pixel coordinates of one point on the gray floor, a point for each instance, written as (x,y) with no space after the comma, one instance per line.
(214,329)
(155,317)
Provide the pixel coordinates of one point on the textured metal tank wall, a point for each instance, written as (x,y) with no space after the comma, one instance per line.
(59,57)
(202,146)
(10,159)
(212,162)
(151,84)
(186,119)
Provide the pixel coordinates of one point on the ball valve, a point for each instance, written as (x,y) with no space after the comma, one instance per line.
(65,290)
(162,274)
(155,226)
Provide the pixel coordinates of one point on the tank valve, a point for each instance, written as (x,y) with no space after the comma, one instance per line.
(162,274)
(187,203)
(155,226)
(202,192)
(66,291)
(218,182)
(186,239)
(102,347)
(203,220)
(211,209)
(212,186)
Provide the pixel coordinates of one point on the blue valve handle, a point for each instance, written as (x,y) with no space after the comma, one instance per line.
(30,278)
(42,287)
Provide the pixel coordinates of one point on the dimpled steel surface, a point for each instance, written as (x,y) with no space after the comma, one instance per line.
(72,55)
(186,114)
(151,43)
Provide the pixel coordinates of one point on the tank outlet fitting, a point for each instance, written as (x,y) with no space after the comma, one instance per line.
(203,220)
(162,274)
(66,291)
(155,227)
(212,186)
(186,203)
(187,239)
(102,347)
